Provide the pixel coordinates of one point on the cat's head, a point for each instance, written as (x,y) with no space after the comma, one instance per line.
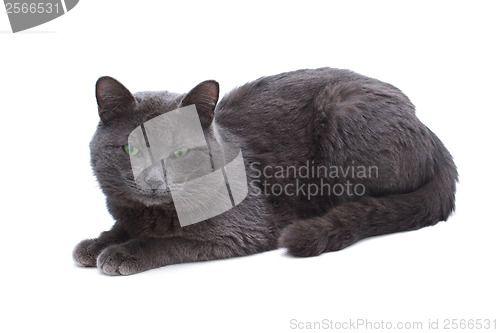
(113,156)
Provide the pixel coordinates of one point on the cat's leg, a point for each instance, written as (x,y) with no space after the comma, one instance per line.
(341,109)
(141,254)
(338,228)
(343,225)
(87,251)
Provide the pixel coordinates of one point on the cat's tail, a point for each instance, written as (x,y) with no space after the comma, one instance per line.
(370,216)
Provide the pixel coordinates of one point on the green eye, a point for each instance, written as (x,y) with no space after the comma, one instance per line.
(181,152)
(131,150)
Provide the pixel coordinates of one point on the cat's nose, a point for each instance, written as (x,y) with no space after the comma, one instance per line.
(154,178)
(155,184)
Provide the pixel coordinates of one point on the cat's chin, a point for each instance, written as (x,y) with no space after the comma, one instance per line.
(149,202)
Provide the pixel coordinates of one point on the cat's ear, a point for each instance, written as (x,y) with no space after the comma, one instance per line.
(205,97)
(111,96)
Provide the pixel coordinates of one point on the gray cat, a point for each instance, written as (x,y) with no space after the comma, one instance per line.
(331,157)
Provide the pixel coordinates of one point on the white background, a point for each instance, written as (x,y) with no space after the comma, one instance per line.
(443,55)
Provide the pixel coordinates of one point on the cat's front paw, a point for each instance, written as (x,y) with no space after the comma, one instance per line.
(116,260)
(86,252)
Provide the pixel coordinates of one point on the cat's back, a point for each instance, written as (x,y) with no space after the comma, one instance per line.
(288,88)
(289,100)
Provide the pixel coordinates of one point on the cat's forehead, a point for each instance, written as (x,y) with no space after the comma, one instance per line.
(154,103)
(148,106)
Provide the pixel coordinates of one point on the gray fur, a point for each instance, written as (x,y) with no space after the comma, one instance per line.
(330,116)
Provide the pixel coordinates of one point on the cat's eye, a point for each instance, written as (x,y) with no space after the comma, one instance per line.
(131,150)
(181,152)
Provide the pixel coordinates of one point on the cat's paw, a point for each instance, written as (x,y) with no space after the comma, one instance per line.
(116,260)
(313,237)
(303,239)
(86,252)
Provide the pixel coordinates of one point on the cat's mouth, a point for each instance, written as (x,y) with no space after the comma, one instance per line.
(155,197)
(152,197)
(152,194)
